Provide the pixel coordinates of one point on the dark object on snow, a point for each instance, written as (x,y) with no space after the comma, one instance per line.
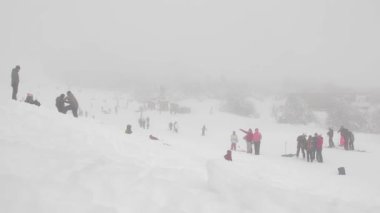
(341,171)
(60,103)
(204,130)
(129,129)
(29,99)
(153,138)
(228,156)
(15,81)
(288,155)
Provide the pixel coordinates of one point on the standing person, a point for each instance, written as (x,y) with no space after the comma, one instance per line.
(313,147)
(15,81)
(72,103)
(234,141)
(175,127)
(309,146)
(330,133)
(170,126)
(60,103)
(204,130)
(301,143)
(249,139)
(351,140)
(256,141)
(319,146)
(147,122)
(344,137)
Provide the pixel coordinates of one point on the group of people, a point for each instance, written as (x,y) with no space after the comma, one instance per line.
(173,126)
(346,138)
(67,103)
(251,138)
(144,123)
(312,145)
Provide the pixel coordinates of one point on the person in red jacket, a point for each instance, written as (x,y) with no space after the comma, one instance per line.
(228,156)
(249,139)
(319,148)
(256,141)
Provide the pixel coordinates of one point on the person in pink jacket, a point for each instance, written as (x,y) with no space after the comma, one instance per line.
(249,139)
(319,148)
(256,141)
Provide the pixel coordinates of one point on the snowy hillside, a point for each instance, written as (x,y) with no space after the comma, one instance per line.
(50,162)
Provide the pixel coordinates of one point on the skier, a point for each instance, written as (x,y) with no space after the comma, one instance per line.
(15,81)
(319,146)
(301,144)
(60,103)
(257,140)
(228,156)
(234,141)
(330,133)
(204,130)
(309,146)
(72,103)
(249,139)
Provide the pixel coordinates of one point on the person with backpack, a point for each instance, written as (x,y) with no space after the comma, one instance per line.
(330,133)
(257,141)
(319,146)
(301,144)
(60,103)
(234,141)
(15,80)
(249,139)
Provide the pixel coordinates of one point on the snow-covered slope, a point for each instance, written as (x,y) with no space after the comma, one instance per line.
(51,162)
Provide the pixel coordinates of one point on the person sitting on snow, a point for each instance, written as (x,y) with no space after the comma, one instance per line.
(153,138)
(228,156)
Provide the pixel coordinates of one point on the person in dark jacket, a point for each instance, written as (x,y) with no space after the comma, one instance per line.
(351,139)
(72,103)
(204,130)
(60,103)
(330,133)
(301,144)
(15,81)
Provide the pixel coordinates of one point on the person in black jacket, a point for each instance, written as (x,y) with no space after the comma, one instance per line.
(351,140)
(60,103)
(72,103)
(301,145)
(330,133)
(15,81)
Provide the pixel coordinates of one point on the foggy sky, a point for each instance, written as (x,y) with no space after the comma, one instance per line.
(119,42)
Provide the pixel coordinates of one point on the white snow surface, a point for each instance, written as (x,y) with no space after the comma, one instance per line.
(50,162)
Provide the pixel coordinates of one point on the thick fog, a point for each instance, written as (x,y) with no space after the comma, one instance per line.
(268,43)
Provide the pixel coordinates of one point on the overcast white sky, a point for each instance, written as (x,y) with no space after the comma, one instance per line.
(265,42)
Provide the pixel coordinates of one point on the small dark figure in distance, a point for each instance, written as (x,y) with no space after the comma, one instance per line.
(153,138)
(129,129)
(170,126)
(147,123)
(15,81)
(204,130)
(228,156)
(72,103)
(351,140)
(60,103)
